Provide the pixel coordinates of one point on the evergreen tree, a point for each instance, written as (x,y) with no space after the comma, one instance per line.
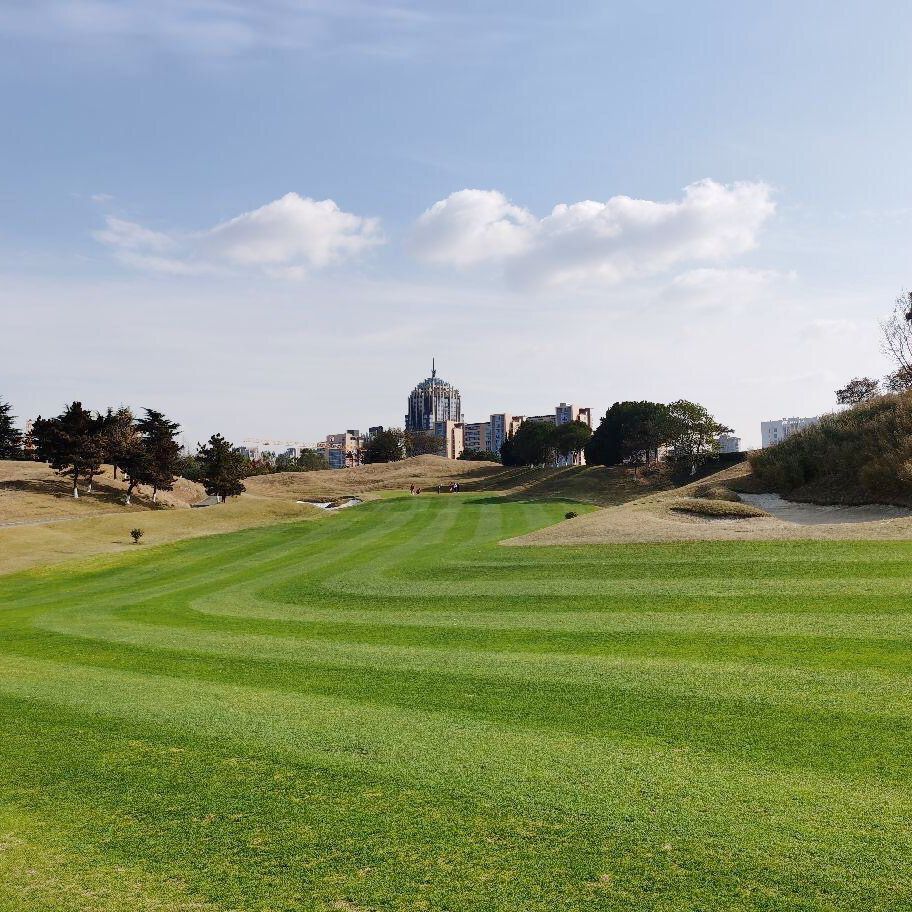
(10,437)
(692,434)
(423,443)
(629,432)
(570,438)
(533,444)
(119,436)
(72,443)
(222,468)
(385,446)
(162,451)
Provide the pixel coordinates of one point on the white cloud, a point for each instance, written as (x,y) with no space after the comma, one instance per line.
(223,28)
(589,241)
(285,238)
(471,226)
(126,235)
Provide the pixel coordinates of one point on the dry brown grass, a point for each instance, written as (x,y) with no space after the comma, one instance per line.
(652,519)
(425,471)
(31,491)
(25,546)
(589,484)
(715,509)
(46,525)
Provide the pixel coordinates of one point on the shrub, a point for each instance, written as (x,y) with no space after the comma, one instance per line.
(136,535)
(716,509)
(570,514)
(865,450)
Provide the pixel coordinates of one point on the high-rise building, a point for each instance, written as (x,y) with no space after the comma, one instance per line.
(501,426)
(476,435)
(431,401)
(452,440)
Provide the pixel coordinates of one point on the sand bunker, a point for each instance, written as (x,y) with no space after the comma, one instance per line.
(807,514)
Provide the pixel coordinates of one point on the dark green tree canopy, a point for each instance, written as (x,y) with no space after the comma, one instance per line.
(479,456)
(692,433)
(532,445)
(631,431)
(385,446)
(222,467)
(72,443)
(10,437)
(571,437)
(422,443)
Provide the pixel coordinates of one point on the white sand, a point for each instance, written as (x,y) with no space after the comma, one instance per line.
(815,514)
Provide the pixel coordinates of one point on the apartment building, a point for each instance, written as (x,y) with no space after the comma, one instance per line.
(452,436)
(773,432)
(728,443)
(343,450)
(477,435)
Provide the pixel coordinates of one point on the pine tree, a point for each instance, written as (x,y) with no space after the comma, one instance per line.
(222,468)
(162,451)
(119,436)
(72,443)
(10,437)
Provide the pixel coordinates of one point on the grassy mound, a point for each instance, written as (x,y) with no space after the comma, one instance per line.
(716,509)
(587,484)
(861,455)
(389,711)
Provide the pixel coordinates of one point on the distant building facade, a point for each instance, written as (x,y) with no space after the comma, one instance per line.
(729,443)
(431,401)
(490,434)
(773,432)
(476,435)
(452,436)
(342,451)
(258,449)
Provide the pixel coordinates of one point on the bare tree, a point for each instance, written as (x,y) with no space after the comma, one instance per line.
(897,341)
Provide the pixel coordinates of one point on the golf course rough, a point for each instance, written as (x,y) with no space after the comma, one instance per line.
(387,710)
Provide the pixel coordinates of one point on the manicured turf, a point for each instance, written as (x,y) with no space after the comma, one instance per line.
(387,710)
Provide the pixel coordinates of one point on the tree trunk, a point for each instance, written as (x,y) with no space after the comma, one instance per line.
(115,471)
(76,486)
(154,494)
(90,485)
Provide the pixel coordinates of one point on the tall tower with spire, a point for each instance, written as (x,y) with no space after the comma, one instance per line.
(431,401)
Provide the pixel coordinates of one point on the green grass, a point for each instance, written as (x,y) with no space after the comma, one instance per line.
(387,710)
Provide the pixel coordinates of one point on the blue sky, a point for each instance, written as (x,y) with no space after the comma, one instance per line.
(253,217)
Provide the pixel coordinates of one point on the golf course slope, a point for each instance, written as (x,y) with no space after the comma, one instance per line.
(387,710)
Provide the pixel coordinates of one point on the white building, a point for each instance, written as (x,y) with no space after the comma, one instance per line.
(773,432)
(728,443)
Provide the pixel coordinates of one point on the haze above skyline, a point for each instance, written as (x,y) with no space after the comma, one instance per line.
(265,219)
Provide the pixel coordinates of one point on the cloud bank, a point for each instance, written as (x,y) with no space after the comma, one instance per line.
(288,237)
(591,241)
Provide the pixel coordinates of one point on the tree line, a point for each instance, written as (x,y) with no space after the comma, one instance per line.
(145,450)
(637,432)
(393,444)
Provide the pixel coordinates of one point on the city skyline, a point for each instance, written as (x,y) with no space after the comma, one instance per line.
(257,216)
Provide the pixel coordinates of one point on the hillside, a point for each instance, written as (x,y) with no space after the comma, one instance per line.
(587,484)
(31,491)
(860,455)
(658,517)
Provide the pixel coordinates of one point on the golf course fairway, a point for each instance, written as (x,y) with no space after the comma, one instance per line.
(387,710)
